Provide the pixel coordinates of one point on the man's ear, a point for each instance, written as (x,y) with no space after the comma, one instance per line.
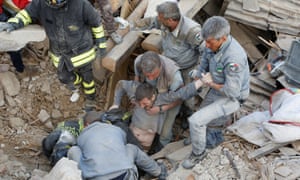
(224,38)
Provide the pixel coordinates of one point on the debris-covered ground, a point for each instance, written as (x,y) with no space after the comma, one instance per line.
(25,118)
(43,101)
(31,105)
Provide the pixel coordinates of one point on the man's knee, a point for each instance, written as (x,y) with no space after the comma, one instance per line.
(66,77)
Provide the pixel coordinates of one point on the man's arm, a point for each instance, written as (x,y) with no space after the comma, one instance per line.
(122,87)
(183,93)
(168,100)
(147,23)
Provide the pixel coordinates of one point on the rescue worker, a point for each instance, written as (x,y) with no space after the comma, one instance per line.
(109,156)
(15,56)
(73,27)
(228,79)
(58,142)
(145,127)
(163,74)
(181,39)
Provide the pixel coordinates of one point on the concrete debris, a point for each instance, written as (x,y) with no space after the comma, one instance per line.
(275,15)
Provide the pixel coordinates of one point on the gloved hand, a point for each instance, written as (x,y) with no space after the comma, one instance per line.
(8,27)
(101,52)
(3,17)
(122,22)
(193,73)
(206,78)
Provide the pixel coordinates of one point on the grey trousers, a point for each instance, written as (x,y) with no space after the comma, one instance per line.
(214,112)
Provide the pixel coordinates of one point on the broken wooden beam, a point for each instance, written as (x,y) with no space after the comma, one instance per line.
(268,148)
(108,62)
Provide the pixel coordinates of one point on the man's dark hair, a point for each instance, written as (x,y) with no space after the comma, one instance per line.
(144,90)
(92,116)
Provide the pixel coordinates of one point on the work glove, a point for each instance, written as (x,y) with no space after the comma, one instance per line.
(8,27)
(194,74)
(3,17)
(101,52)
(206,78)
(100,47)
(123,24)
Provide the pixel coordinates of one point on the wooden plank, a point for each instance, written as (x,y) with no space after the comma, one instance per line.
(112,81)
(108,62)
(247,43)
(180,154)
(262,84)
(266,77)
(268,148)
(168,149)
(187,8)
(251,5)
(114,59)
(259,90)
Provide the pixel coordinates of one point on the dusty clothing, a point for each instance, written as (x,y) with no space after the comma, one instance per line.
(107,16)
(180,45)
(108,156)
(169,78)
(229,66)
(72,29)
(56,144)
(143,125)
(129,87)
(68,28)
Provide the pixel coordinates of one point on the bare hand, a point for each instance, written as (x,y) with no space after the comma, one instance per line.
(154,110)
(206,78)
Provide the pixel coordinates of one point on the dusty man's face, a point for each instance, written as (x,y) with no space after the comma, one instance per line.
(147,103)
(215,44)
(152,75)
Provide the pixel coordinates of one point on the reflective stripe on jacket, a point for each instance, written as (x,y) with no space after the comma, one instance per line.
(78,60)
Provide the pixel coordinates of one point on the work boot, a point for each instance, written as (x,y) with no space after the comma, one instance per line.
(164,172)
(193,159)
(90,105)
(116,37)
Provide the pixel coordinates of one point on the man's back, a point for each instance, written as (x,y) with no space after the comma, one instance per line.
(103,150)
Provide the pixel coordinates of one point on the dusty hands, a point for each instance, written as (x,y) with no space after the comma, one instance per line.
(154,110)
(198,83)
(206,78)
(193,74)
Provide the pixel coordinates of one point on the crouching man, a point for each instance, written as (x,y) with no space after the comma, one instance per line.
(103,153)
